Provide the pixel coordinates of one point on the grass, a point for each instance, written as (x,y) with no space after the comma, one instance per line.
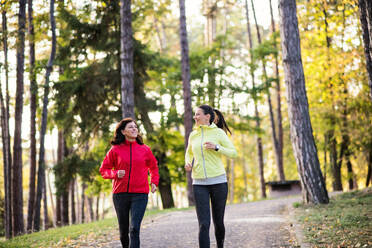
(345,222)
(99,232)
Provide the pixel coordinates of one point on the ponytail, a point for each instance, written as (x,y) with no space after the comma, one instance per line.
(216,117)
(220,121)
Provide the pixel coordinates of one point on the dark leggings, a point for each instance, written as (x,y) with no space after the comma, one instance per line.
(217,195)
(135,204)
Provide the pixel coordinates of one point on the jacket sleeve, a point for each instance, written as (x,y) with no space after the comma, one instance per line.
(189,155)
(107,166)
(227,147)
(152,163)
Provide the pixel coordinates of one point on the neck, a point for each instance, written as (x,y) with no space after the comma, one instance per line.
(131,139)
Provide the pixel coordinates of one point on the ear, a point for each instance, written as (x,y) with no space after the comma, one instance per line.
(122,132)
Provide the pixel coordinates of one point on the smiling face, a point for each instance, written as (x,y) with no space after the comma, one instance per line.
(130,131)
(201,118)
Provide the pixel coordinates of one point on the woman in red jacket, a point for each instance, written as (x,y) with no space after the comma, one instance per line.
(128,163)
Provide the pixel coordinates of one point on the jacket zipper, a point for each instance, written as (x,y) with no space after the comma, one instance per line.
(130,166)
(201,145)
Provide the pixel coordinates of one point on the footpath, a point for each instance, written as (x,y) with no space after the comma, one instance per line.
(261,224)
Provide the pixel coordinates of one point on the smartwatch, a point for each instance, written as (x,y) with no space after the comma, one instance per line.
(217,148)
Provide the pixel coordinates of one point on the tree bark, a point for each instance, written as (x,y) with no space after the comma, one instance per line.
(83,186)
(271,113)
(257,116)
(185,63)
(72,190)
(367,36)
(44,118)
(369,172)
(17,196)
(126,58)
(33,106)
(5,134)
(91,212)
(303,143)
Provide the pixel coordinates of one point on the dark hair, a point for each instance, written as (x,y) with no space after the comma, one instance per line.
(119,138)
(220,122)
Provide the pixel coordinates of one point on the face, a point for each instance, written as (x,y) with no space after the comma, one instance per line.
(201,118)
(130,131)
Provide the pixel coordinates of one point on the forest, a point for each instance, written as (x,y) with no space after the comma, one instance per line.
(297,94)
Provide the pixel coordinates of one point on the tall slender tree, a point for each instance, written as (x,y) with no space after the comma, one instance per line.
(278,100)
(303,142)
(256,113)
(33,93)
(41,170)
(17,196)
(126,57)
(185,64)
(271,113)
(7,156)
(365,15)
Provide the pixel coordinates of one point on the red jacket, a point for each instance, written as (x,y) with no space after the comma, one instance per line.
(136,160)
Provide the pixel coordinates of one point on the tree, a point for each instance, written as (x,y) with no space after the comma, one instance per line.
(33,106)
(7,156)
(257,115)
(278,100)
(41,170)
(17,194)
(271,113)
(300,126)
(126,57)
(365,15)
(185,64)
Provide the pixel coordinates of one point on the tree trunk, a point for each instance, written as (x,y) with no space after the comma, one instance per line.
(5,134)
(58,211)
(91,212)
(257,116)
(72,190)
(367,36)
(51,200)
(185,63)
(126,58)
(33,92)
(44,118)
(369,173)
(45,201)
(278,99)
(303,143)
(17,196)
(83,186)
(97,208)
(64,201)
(271,114)
(165,186)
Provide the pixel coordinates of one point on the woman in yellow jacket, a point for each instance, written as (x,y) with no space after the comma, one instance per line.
(207,142)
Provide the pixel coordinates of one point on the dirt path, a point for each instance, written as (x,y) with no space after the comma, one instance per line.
(254,225)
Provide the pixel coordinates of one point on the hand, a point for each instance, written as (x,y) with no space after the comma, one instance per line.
(209,145)
(188,167)
(153,188)
(121,173)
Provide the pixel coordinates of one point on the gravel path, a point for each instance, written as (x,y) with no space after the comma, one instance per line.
(254,225)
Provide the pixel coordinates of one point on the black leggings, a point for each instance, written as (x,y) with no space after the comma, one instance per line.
(217,195)
(135,204)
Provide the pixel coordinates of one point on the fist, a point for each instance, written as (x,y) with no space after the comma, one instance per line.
(188,167)
(121,173)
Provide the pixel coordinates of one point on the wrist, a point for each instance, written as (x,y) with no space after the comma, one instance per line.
(217,147)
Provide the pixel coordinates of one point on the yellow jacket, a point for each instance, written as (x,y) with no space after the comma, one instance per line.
(207,162)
